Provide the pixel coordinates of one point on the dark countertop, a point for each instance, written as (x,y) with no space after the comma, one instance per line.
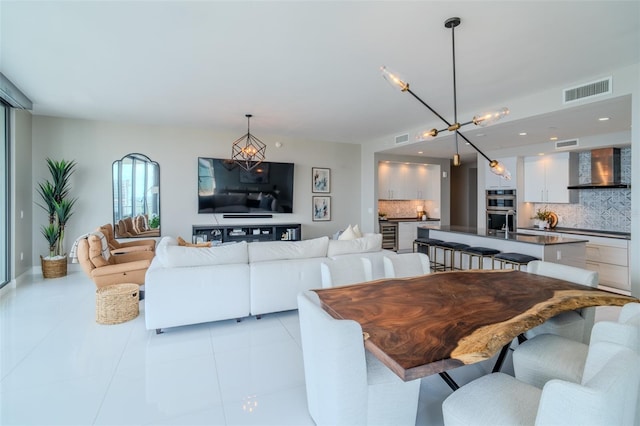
(409,219)
(515,237)
(590,232)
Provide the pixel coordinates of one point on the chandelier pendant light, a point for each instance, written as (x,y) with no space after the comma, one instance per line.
(482,120)
(248,151)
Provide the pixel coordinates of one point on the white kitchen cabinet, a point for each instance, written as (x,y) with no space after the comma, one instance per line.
(610,258)
(493,181)
(546,178)
(408,181)
(393,179)
(407,233)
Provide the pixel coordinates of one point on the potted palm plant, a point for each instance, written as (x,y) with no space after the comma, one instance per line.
(59,207)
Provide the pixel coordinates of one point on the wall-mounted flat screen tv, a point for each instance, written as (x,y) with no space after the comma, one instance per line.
(225,187)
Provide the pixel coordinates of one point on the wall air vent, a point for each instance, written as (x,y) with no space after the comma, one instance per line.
(402,138)
(595,88)
(567,144)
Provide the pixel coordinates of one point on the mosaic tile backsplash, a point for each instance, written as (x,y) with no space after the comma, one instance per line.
(407,208)
(598,209)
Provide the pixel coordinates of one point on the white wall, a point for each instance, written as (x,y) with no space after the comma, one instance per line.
(96,145)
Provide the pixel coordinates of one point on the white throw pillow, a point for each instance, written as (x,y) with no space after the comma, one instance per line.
(348,234)
(356,230)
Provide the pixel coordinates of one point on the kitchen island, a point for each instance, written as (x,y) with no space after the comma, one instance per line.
(550,248)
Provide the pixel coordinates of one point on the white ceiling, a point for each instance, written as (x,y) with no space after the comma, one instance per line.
(310,69)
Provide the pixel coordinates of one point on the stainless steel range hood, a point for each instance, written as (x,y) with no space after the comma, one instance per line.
(605,170)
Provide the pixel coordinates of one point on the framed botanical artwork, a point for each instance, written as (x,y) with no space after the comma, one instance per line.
(320,180)
(321,208)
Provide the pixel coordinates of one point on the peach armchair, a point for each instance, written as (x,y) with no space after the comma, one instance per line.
(117,247)
(117,269)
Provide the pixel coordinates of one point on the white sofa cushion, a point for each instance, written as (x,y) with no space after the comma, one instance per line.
(368,243)
(192,295)
(275,285)
(283,250)
(171,255)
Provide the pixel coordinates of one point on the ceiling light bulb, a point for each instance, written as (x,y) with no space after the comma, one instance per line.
(499,169)
(427,135)
(603,119)
(522,133)
(488,118)
(394,79)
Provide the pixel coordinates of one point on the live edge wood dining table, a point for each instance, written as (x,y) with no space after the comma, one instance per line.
(433,323)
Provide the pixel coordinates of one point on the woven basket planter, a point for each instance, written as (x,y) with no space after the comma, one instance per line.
(117,303)
(53,268)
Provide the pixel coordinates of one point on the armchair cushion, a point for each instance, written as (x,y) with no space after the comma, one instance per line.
(95,251)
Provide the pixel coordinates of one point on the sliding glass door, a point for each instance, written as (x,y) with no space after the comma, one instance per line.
(4,195)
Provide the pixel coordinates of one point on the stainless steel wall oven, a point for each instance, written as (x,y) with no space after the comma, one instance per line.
(501,209)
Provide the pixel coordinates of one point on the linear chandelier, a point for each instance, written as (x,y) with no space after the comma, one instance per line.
(482,120)
(248,151)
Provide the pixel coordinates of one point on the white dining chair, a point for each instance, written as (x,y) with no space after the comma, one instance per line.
(549,356)
(345,271)
(345,384)
(606,395)
(575,325)
(406,265)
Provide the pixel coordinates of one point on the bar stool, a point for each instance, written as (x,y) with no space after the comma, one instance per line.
(513,259)
(449,249)
(426,246)
(480,253)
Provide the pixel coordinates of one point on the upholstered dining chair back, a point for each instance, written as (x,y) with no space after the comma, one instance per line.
(607,395)
(406,265)
(548,356)
(345,384)
(345,271)
(575,325)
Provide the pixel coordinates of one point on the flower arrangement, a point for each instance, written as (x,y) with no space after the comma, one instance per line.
(543,214)
(542,218)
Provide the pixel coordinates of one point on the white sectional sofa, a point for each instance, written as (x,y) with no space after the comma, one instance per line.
(188,285)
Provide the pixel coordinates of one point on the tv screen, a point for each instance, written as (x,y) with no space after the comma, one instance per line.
(225,187)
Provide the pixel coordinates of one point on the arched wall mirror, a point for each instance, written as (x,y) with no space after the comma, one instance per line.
(136,197)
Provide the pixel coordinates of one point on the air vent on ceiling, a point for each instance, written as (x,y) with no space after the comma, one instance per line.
(595,88)
(570,143)
(402,138)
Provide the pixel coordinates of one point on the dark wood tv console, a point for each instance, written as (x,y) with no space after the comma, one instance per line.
(249,233)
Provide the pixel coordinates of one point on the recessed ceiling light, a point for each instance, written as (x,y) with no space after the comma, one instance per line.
(522,133)
(603,119)
(419,152)
(553,138)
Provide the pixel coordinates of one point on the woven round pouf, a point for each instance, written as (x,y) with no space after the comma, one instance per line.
(117,303)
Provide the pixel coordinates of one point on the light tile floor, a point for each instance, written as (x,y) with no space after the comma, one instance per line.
(59,367)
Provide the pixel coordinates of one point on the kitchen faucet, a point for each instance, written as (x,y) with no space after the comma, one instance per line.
(506,222)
